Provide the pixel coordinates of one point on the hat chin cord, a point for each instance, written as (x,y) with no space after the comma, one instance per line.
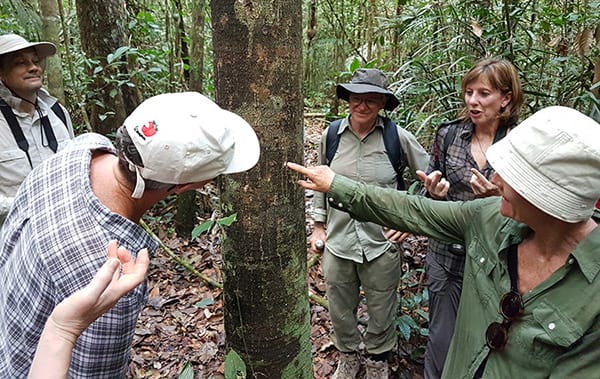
(140,184)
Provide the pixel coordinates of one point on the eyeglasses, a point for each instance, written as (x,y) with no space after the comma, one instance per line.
(511,308)
(369,102)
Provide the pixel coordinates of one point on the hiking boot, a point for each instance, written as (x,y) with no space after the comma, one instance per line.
(348,366)
(376,369)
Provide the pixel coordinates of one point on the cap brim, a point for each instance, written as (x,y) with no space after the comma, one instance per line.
(247,147)
(343,91)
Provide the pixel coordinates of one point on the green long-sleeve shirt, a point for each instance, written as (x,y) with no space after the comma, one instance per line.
(559,334)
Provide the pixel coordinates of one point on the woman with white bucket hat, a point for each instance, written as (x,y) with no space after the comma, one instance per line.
(530,303)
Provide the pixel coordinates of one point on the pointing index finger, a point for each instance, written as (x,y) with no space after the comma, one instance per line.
(296,167)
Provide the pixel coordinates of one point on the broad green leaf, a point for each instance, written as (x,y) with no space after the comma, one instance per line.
(206,225)
(205,302)
(187,372)
(235,368)
(227,221)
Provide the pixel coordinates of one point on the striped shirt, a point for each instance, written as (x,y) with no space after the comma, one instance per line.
(53,242)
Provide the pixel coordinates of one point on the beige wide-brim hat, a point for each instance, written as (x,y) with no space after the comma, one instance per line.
(186,138)
(552,159)
(9,43)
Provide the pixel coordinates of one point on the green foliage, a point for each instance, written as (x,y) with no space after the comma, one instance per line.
(426,48)
(187,372)
(235,368)
(413,319)
(208,224)
(204,303)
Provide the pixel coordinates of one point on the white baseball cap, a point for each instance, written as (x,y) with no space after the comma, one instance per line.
(10,43)
(552,159)
(186,138)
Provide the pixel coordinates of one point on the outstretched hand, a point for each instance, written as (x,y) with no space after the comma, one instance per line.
(319,177)
(482,187)
(75,313)
(434,184)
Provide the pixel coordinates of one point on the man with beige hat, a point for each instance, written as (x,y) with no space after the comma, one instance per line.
(33,125)
(55,238)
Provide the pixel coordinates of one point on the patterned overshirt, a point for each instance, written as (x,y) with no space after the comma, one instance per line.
(365,160)
(458,162)
(53,242)
(558,334)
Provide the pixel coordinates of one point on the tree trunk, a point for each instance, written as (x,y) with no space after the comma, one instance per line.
(197,46)
(101,26)
(258,69)
(51,28)
(187,207)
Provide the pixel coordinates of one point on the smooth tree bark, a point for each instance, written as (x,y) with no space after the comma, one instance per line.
(258,75)
(102,31)
(51,30)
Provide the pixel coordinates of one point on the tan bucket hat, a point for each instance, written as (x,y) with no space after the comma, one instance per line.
(9,43)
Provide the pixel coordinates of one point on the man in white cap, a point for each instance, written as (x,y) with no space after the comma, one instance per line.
(530,305)
(54,240)
(33,125)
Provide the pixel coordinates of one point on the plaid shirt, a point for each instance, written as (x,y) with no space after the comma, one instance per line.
(53,242)
(457,162)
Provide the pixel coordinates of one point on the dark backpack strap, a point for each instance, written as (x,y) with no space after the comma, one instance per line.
(332,140)
(391,140)
(15,128)
(57,109)
(440,157)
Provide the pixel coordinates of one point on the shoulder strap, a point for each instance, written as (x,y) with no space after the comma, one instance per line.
(15,128)
(448,139)
(57,109)
(391,140)
(332,140)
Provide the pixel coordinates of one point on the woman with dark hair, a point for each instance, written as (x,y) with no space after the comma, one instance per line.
(458,170)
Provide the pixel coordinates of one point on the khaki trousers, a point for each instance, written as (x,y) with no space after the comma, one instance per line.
(379,281)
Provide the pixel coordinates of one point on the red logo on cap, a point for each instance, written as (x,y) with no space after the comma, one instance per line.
(150,129)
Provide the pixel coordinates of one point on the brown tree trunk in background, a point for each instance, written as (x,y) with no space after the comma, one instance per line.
(258,74)
(101,27)
(596,79)
(51,30)
(197,45)
(187,207)
(180,38)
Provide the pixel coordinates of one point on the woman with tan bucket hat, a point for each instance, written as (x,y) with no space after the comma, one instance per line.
(33,125)
(530,305)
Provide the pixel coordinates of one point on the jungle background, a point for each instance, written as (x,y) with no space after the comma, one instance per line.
(231,273)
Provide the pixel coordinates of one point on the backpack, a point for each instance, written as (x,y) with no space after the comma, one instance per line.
(391,140)
(11,119)
(448,139)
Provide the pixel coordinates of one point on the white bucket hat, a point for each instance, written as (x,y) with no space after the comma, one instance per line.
(10,43)
(552,159)
(186,138)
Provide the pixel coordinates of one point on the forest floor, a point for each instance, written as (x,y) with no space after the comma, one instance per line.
(182,324)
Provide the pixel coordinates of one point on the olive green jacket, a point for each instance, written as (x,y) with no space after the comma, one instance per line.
(559,334)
